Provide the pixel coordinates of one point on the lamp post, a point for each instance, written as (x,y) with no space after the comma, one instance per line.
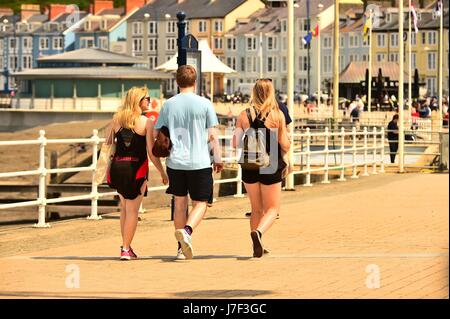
(441,61)
(5,66)
(401,135)
(146,46)
(336,62)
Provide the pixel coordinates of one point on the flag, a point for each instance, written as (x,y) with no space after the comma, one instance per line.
(307,38)
(415,20)
(438,9)
(315,32)
(367,27)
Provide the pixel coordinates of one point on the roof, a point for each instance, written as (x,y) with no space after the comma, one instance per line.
(355,72)
(93,73)
(427,22)
(90,55)
(114,11)
(194,9)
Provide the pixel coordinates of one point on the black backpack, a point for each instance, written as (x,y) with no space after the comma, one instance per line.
(255,151)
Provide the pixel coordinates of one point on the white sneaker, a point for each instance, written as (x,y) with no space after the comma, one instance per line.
(185,241)
(180,255)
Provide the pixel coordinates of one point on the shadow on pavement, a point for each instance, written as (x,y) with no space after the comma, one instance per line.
(222,293)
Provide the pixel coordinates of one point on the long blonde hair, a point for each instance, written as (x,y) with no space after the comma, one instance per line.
(129,111)
(263,98)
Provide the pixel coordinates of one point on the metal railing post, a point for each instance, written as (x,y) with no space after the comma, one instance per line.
(342,177)
(355,165)
(382,151)
(94,192)
(42,182)
(374,167)
(326,152)
(366,173)
(308,158)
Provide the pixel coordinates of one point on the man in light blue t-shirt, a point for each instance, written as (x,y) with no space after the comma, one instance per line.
(191,121)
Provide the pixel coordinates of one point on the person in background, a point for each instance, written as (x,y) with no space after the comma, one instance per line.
(393,137)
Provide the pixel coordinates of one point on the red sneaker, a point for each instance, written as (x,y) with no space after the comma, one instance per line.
(127,255)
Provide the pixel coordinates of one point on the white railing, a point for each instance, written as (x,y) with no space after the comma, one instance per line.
(372,149)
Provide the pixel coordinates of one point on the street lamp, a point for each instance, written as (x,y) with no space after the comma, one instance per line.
(145,46)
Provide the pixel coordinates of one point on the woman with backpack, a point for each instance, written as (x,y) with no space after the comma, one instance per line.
(262,135)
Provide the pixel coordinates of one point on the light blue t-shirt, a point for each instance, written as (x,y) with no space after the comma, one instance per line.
(188,117)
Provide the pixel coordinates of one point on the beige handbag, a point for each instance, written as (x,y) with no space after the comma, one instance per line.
(104,160)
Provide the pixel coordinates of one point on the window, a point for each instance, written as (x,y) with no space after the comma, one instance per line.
(388,18)
(202,26)
(353,57)
(431,86)
(12,43)
(327,43)
(13,62)
(26,62)
(413,38)
(152,27)
(354,41)
(394,40)
(284,64)
(380,57)
(86,42)
(171,26)
(1,44)
(137,28)
(413,60)
(171,44)
(153,44)
(27,43)
(103,43)
(171,85)
(218,26)
(58,43)
(137,45)
(393,57)
(152,62)
(327,64)
(365,58)
(284,25)
(44,44)
(341,62)
(431,61)
(242,64)
(432,37)
(1,61)
(303,63)
(303,84)
(251,44)
(381,40)
(231,44)
(218,43)
(252,64)
(342,42)
(283,43)
(424,38)
(272,43)
(272,64)
(304,25)
(231,62)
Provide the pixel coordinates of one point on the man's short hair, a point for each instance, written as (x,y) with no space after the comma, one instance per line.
(395,117)
(186,76)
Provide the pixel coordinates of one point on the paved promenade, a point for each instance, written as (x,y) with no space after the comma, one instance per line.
(383,236)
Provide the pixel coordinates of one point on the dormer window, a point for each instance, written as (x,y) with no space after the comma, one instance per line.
(88,25)
(388,18)
(104,24)
(419,16)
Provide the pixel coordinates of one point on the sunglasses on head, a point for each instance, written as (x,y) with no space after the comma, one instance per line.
(146,98)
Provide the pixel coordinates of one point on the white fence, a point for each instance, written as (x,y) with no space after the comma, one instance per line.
(372,150)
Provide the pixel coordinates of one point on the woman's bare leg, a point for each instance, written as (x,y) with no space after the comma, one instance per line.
(123,214)
(270,195)
(132,210)
(254,193)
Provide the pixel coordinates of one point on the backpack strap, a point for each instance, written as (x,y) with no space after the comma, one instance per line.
(249,116)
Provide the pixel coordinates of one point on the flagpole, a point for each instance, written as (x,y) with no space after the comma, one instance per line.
(441,44)
(410,61)
(261,71)
(401,129)
(336,62)
(369,85)
(318,61)
(290,91)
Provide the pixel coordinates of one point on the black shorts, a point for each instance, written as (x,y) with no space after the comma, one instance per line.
(197,183)
(254,176)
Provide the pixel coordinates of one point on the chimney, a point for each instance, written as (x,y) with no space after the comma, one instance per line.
(55,10)
(99,5)
(28,10)
(130,5)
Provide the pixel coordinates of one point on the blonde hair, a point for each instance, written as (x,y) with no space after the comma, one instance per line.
(263,98)
(129,111)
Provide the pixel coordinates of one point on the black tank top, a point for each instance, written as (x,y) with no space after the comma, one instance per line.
(130,144)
